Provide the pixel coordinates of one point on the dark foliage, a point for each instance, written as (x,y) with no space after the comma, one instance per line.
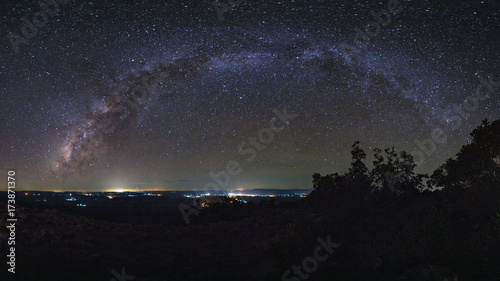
(477,162)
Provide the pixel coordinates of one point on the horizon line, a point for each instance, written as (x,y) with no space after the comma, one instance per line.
(154,190)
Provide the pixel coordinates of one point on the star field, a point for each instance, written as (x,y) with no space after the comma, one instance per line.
(211,84)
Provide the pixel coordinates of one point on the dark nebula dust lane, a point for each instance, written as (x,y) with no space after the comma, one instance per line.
(111,94)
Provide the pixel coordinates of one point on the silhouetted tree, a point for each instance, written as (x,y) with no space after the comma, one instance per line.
(358,172)
(323,183)
(391,172)
(478,161)
(395,173)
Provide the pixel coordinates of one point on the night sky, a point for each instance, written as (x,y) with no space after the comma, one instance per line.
(72,117)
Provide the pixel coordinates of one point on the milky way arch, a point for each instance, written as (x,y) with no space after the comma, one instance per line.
(92,134)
